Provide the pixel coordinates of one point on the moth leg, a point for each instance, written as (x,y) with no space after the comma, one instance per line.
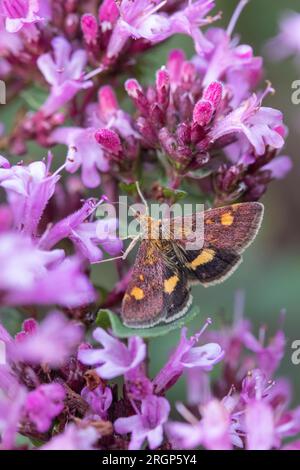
(124,255)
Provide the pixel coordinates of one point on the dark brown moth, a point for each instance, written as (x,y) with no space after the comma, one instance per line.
(164,270)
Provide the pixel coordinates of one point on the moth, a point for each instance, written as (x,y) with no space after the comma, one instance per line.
(164,270)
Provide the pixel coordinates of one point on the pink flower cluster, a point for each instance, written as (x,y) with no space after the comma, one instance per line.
(223,415)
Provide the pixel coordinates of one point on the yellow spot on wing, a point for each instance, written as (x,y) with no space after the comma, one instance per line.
(227,219)
(141,277)
(170,284)
(137,293)
(206,256)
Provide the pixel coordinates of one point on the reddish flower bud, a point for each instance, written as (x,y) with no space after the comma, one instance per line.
(108,12)
(213,93)
(203,112)
(188,73)
(108,103)
(174,64)
(89,28)
(133,88)
(109,140)
(163,85)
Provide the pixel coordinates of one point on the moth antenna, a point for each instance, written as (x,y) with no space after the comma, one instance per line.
(142,196)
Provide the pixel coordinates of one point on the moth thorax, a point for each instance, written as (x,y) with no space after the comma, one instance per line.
(151,228)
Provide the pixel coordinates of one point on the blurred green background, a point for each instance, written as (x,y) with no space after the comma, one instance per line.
(270,274)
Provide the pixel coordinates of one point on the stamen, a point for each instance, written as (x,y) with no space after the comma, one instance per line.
(62,167)
(150,11)
(196,337)
(94,72)
(235,16)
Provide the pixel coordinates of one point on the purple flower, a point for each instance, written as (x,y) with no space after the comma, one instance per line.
(259,436)
(216,426)
(20,13)
(147,425)
(184,435)
(86,236)
(28,189)
(63,70)
(10,413)
(188,356)
(9,42)
(232,62)
(30,275)
(99,400)
(138,385)
(115,357)
(215,431)
(138,19)
(279,167)
(73,438)
(287,42)
(43,404)
(29,327)
(83,149)
(268,357)
(52,342)
(260,125)
(141,19)
(189,20)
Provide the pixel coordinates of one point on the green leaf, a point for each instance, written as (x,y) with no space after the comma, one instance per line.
(175,194)
(106,319)
(128,188)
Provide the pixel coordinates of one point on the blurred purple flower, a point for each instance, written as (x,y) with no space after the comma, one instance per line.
(216,426)
(10,415)
(29,327)
(138,385)
(231,61)
(139,19)
(28,189)
(63,70)
(147,425)
(259,422)
(30,275)
(9,42)
(23,13)
(83,149)
(43,404)
(279,167)
(184,435)
(115,357)
(73,438)
(268,357)
(258,124)
(287,42)
(52,342)
(99,400)
(213,431)
(187,356)
(86,236)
